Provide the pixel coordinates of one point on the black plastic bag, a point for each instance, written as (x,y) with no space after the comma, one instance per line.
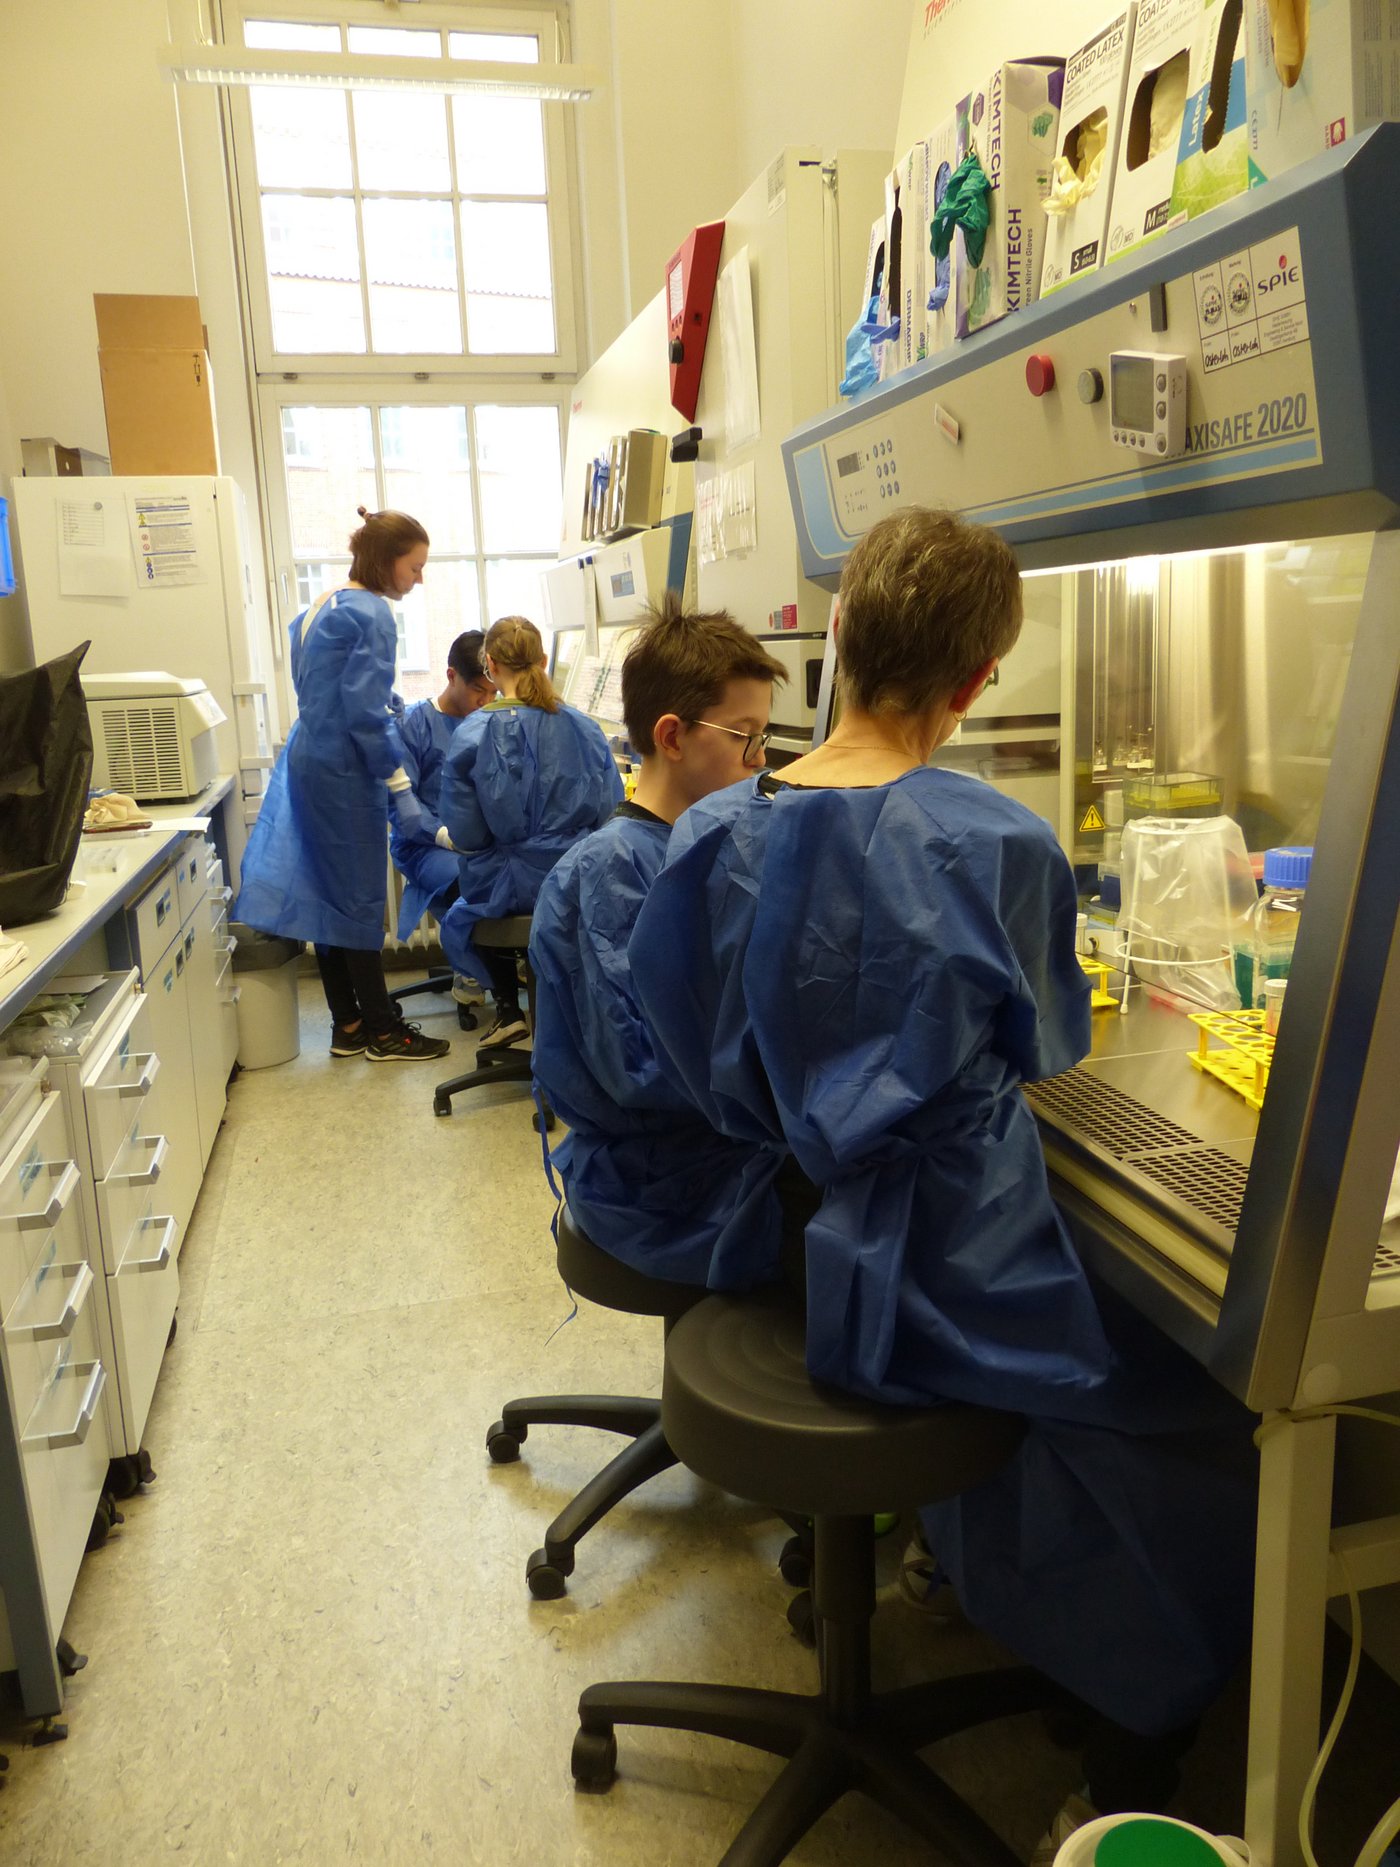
(45,771)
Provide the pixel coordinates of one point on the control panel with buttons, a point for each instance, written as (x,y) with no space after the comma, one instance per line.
(1147,402)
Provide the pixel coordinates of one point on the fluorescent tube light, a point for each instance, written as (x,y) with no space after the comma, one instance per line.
(341,71)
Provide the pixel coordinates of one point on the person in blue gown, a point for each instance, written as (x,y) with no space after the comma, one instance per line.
(863,957)
(422,853)
(315,867)
(525,777)
(647,1178)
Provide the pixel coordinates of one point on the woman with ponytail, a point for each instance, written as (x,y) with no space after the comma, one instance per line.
(525,778)
(316,866)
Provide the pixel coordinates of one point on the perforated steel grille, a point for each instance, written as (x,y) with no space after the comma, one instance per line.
(1205,1179)
(1387,1261)
(1119,1124)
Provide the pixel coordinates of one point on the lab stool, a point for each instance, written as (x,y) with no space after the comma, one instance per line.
(603,1279)
(506,1064)
(739,1408)
(435,982)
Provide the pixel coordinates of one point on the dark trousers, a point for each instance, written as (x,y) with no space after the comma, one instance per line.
(353,981)
(499,962)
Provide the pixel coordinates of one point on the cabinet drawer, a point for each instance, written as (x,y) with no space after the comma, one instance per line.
(191,878)
(142,1298)
(47,1311)
(126,1192)
(38,1178)
(157,917)
(66,1449)
(115,1099)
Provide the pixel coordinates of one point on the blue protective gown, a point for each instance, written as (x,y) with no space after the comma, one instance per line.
(646,1176)
(429,872)
(519,787)
(869,974)
(315,867)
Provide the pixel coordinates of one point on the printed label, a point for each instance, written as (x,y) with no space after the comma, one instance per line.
(1251,303)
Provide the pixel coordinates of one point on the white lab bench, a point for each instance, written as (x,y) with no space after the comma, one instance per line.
(102,1152)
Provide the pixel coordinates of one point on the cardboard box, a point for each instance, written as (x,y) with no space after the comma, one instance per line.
(941,318)
(1012,122)
(155,384)
(1153,111)
(1212,163)
(1340,76)
(1091,117)
(913,255)
(887,351)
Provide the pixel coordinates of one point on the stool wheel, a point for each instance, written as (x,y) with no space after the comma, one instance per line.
(550,1122)
(802,1618)
(503,1446)
(795,1562)
(442,1105)
(547,1576)
(593,1759)
(466,1018)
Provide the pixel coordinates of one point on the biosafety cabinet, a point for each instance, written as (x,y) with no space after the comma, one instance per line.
(1226,612)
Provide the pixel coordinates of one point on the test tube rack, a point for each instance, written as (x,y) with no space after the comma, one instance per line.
(1247,1050)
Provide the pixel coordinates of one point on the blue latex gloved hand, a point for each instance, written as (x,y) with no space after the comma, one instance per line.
(413,819)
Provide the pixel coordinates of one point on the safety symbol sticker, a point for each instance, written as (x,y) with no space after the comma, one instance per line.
(1091,820)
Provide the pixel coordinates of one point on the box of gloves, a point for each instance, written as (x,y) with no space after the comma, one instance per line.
(940,300)
(1212,159)
(1091,121)
(1011,123)
(1155,104)
(913,254)
(1318,72)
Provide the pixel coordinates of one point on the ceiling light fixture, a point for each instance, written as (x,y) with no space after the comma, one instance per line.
(341,71)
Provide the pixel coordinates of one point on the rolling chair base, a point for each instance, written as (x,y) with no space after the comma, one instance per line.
(492,1066)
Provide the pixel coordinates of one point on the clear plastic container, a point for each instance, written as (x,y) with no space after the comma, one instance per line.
(1273,927)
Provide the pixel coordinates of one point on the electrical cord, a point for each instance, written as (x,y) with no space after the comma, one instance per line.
(1388,1826)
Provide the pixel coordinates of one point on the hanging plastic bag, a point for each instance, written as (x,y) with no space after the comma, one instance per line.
(1188,892)
(45,770)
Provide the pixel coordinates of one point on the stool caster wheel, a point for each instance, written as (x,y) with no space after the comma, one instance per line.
(802,1618)
(503,1446)
(795,1562)
(548,1579)
(551,1122)
(593,1759)
(69,1662)
(466,1018)
(50,1732)
(126,1475)
(442,1105)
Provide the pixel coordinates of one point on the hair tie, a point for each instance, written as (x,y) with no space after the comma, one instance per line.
(363,514)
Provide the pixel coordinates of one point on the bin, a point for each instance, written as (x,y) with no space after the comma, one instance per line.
(269,1027)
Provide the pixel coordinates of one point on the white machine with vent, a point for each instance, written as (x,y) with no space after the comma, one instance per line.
(152,734)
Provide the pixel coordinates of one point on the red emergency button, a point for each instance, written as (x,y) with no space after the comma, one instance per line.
(1040,374)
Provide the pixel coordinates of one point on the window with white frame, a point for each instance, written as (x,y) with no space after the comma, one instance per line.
(410,274)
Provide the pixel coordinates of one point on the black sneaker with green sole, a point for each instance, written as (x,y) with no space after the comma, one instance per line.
(405,1043)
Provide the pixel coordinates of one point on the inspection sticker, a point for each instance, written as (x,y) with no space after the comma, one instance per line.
(1251,303)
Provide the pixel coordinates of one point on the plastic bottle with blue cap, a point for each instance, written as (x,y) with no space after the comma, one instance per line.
(1273,924)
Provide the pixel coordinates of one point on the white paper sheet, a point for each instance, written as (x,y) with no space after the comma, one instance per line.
(734,309)
(164,540)
(92,552)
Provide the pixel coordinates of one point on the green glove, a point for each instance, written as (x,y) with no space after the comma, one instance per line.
(964,205)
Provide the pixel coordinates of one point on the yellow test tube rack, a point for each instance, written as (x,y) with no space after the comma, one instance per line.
(1245,1054)
(1100,999)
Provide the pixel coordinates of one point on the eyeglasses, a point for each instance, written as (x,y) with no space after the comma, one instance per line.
(754,743)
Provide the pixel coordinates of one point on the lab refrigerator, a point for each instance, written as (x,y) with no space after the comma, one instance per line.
(795,250)
(155,573)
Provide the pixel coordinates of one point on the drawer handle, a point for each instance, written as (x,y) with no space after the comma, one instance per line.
(52,1210)
(81,1276)
(157,1146)
(223,894)
(161,1257)
(87,1410)
(137,1091)
(163,907)
(235,995)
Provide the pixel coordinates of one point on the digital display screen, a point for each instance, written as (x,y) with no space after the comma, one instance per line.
(1130,392)
(848,463)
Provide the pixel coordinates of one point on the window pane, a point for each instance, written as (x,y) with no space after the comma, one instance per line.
(510,294)
(513,588)
(447,602)
(301,137)
(401,142)
(502,48)
(280,35)
(322,498)
(500,145)
(426,472)
(314,273)
(396,41)
(412,276)
(518,461)
(312,579)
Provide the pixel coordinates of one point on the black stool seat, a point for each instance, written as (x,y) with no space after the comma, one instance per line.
(739,1408)
(504,1064)
(597,1276)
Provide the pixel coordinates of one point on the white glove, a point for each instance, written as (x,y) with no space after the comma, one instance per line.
(442,839)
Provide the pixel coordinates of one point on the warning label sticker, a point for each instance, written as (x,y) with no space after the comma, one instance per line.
(1091,820)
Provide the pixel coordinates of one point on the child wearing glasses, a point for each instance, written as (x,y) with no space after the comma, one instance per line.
(646,1176)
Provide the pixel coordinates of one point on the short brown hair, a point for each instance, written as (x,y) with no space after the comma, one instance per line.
(681,663)
(515,643)
(378,545)
(926,600)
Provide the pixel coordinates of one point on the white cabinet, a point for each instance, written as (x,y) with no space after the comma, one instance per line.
(54,1438)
